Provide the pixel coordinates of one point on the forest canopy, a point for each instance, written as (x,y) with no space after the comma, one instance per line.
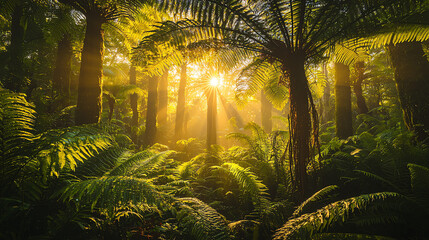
(214,119)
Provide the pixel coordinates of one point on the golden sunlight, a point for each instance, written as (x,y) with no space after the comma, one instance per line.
(215,81)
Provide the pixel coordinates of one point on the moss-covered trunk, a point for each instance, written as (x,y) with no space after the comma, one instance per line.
(152,111)
(62,71)
(412,81)
(266,113)
(91,73)
(343,104)
(211,116)
(15,81)
(180,130)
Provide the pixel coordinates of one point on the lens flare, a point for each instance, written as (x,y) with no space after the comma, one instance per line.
(215,81)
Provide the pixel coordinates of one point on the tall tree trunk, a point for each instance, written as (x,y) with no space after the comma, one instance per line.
(91,73)
(343,104)
(163,107)
(211,116)
(152,111)
(134,106)
(411,75)
(300,124)
(16,80)
(357,87)
(180,130)
(62,72)
(266,113)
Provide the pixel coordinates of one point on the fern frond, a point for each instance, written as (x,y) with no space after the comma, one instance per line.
(378,179)
(16,132)
(420,183)
(124,167)
(319,195)
(348,236)
(248,182)
(109,191)
(307,225)
(67,147)
(201,221)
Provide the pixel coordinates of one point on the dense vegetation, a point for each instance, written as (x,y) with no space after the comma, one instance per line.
(214,119)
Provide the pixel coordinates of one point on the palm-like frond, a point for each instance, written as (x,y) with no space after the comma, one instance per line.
(202,221)
(307,225)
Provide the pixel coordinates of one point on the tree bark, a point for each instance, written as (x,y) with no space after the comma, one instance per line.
(91,73)
(152,111)
(266,113)
(343,105)
(357,87)
(16,80)
(62,72)
(180,130)
(411,75)
(211,116)
(300,124)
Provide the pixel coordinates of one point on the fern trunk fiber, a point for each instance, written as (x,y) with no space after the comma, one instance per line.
(152,111)
(411,75)
(357,88)
(300,125)
(91,73)
(15,81)
(343,104)
(266,113)
(180,130)
(62,72)
(163,107)
(211,116)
